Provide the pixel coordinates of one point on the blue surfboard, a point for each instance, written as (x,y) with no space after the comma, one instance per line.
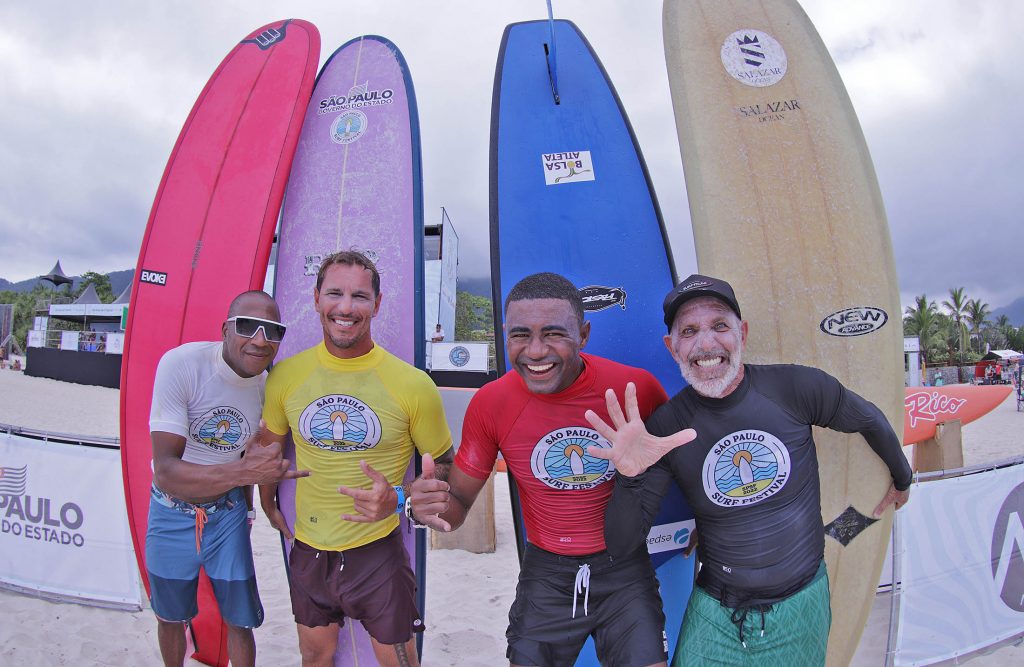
(570,193)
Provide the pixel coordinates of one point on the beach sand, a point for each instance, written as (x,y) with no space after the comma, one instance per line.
(468,595)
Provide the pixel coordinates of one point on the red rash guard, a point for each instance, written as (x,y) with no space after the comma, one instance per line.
(543,439)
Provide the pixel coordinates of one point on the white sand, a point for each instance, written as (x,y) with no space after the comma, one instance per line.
(468,595)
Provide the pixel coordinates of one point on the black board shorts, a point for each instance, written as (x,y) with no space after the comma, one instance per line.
(621,608)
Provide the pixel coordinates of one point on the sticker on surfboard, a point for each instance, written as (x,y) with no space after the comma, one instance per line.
(855,321)
(754,58)
(567,167)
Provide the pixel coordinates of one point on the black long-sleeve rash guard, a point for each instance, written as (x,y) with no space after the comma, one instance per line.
(751,478)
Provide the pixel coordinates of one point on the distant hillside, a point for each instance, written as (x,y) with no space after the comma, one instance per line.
(1015,312)
(118,281)
(475,285)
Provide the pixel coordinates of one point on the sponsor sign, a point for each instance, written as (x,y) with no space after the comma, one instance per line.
(63,522)
(930,406)
(754,58)
(568,167)
(458,356)
(670,536)
(598,297)
(855,321)
(961,543)
(153,277)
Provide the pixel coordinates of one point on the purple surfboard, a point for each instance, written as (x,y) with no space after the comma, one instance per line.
(356,184)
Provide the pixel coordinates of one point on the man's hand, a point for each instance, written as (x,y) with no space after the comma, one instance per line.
(262,462)
(892,497)
(373,504)
(634,450)
(430,497)
(277,520)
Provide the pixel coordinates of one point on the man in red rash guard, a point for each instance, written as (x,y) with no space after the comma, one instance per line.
(569,586)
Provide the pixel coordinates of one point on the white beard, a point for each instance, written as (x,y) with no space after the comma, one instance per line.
(714,388)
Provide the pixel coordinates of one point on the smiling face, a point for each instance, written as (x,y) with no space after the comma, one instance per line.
(347,303)
(544,339)
(707,342)
(249,357)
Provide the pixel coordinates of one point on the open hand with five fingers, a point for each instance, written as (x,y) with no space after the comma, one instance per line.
(634,450)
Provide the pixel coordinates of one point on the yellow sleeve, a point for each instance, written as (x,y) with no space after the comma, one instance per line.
(427,423)
(273,405)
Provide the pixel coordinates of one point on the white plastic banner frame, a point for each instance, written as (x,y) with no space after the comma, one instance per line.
(63,526)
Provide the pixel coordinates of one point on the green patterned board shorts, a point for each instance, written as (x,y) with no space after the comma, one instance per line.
(793,633)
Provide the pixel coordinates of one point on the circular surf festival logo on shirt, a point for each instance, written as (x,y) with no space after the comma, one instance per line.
(561,461)
(223,429)
(348,126)
(340,423)
(754,58)
(745,467)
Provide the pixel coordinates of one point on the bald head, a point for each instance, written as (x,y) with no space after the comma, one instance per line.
(255,303)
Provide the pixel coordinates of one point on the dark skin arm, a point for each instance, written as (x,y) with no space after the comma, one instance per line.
(197,483)
(268,494)
(443,494)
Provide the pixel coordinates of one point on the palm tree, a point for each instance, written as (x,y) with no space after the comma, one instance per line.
(957,307)
(921,320)
(977,314)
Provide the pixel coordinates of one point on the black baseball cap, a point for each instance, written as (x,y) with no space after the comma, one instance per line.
(694,286)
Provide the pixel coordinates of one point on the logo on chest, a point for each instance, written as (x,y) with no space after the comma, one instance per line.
(561,461)
(745,467)
(223,429)
(340,423)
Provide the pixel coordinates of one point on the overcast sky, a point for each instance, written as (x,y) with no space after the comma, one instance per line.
(94,95)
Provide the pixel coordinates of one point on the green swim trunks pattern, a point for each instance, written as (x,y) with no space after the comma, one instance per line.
(793,633)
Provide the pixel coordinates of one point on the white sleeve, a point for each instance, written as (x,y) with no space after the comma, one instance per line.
(171,392)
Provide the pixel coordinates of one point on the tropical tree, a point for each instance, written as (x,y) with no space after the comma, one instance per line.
(956,307)
(921,320)
(977,315)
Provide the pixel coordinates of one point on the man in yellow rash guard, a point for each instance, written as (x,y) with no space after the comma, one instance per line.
(355,413)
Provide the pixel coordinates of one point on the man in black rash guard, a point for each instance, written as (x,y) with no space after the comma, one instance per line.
(751,477)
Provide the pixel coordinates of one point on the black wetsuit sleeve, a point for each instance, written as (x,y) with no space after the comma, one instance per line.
(634,503)
(852,413)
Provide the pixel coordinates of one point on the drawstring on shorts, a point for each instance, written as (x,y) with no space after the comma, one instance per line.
(739,617)
(582,586)
(201,520)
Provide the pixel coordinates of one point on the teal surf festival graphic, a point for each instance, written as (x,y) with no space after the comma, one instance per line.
(561,461)
(745,467)
(223,428)
(340,423)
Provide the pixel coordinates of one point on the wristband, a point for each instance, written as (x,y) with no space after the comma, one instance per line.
(251,516)
(400,492)
(410,517)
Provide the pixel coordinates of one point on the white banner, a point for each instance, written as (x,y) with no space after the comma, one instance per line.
(961,565)
(115,343)
(36,338)
(63,526)
(69,340)
(459,357)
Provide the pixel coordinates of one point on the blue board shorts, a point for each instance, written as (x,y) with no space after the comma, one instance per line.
(179,541)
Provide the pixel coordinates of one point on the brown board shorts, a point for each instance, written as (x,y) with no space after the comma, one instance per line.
(372,584)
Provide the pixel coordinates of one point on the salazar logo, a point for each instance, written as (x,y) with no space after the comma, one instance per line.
(855,321)
(754,58)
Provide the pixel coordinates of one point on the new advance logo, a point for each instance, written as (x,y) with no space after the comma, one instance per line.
(855,321)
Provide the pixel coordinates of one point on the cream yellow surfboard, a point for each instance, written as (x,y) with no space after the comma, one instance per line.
(786,207)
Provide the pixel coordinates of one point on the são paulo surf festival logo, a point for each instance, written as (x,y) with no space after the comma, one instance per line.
(745,467)
(340,423)
(348,126)
(754,58)
(561,461)
(223,428)
(1007,547)
(459,356)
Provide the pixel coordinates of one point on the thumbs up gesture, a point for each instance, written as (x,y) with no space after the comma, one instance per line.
(430,497)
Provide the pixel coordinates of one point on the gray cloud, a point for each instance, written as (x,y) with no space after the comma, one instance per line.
(95,95)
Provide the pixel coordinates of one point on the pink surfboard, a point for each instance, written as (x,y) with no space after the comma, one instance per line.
(356,185)
(926,407)
(208,239)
